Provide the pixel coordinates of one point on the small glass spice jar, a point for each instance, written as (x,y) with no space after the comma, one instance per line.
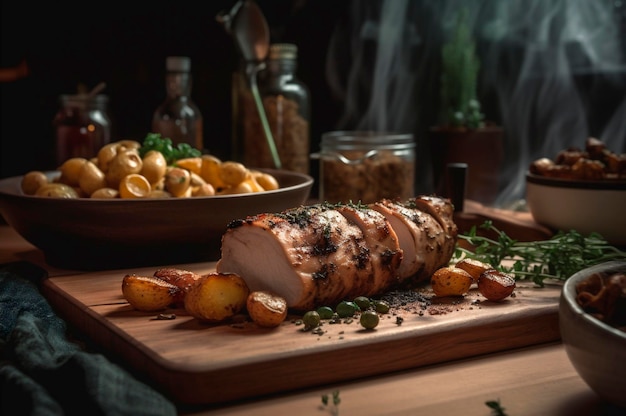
(82,126)
(366,166)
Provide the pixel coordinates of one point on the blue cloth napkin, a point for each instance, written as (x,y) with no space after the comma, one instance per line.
(43,373)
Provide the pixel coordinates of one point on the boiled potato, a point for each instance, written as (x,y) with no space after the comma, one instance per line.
(496,285)
(124,163)
(216,297)
(57,190)
(91,178)
(148,293)
(474,267)
(106,193)
(192,164)
(70,170)
(32,181)
(266,309)
(451,281)
(154,166)
(232,173)
(209,171)
(178,182)
(266,181)
(134,185)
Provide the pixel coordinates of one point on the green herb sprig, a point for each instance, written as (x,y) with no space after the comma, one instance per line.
(556,258)
(154,141)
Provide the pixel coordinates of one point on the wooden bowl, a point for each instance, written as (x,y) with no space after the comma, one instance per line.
(93,234)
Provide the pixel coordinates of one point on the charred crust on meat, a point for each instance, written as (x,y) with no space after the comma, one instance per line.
(236,223)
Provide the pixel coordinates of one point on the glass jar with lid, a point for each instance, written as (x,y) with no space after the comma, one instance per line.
(286,101)
(82,126)
(366,166)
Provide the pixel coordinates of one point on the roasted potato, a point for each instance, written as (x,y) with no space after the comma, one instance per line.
(451,281)
(148,293)
(216,297)
(32,181)
(474,267)
(184,279)
(496,285)
(266,309)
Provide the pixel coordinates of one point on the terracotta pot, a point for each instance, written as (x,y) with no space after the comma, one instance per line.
(481,149)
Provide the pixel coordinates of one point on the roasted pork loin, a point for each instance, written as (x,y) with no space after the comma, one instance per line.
(321,254)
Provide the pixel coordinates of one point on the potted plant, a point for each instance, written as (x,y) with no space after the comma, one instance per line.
(462,135)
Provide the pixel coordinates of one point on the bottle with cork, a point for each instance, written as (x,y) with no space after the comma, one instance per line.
(178,117)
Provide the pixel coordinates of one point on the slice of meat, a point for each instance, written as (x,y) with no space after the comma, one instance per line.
(443,211)
(431,244)
(383,244)
(309,255)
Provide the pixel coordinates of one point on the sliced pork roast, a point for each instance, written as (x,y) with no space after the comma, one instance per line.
(321,254)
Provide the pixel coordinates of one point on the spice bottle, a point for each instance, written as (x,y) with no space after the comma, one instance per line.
(178,117)
(286,101)
(82,126)
(366,166)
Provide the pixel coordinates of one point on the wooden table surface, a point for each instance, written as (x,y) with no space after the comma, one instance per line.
(534,380)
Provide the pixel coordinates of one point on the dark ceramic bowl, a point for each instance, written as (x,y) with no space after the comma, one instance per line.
(92,234)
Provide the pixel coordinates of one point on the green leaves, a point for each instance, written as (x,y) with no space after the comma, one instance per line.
(557,258)
(154,141)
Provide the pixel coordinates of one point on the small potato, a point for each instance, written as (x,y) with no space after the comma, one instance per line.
(266,181)
(232,173)
(192,164)
(134,185)
(177,181)
(203,190)
(496,285)
(106,155)
(57,190)
(106,193)
(451,281)
(216,297)
(147,293)
(474,267)
(266,309)
(91,178)
(32,181)
(242,188)
(184,279)
(70,170)
(159,193)
(124,163)
(209,171)
(154,166)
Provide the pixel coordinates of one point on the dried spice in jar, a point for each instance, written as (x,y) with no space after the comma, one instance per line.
(286,101)
(366,166)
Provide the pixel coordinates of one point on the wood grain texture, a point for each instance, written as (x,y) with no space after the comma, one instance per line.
(197,363)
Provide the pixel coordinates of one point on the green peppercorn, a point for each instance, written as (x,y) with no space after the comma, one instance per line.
(311,320)
(346,309)
(363,302)
(381,306)
(325,312)
(369,319)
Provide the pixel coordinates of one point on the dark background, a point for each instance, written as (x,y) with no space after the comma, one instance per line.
(125,45)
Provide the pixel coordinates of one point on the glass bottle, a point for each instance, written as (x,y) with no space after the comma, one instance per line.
(286,100)
(82,126)
(178,117)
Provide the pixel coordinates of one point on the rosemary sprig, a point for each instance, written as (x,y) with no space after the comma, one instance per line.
(556,258)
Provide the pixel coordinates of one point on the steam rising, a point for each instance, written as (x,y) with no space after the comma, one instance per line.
(553,72)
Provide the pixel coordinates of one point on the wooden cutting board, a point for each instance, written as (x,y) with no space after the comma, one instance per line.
(196,363)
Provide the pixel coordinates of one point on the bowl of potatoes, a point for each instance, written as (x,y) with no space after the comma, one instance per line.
(137,205)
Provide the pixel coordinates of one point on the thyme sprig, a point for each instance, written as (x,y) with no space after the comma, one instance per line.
(557,258)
